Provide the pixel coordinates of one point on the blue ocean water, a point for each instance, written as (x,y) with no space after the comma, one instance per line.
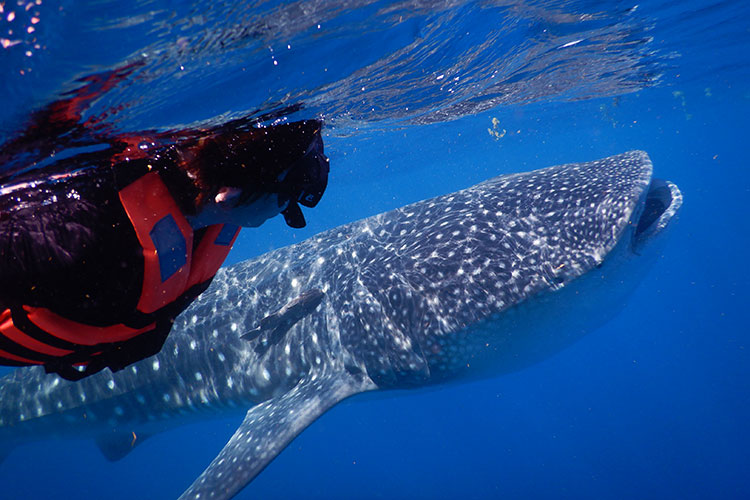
(421,99)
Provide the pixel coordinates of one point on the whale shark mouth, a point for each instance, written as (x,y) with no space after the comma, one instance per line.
(661,203)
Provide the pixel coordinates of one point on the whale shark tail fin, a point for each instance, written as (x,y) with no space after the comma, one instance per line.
(268,428)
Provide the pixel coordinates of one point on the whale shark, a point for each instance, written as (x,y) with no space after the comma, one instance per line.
(472,284)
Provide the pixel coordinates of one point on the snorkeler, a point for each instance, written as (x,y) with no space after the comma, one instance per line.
(101,250)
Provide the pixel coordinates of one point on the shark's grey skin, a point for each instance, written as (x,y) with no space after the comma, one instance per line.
(481,281)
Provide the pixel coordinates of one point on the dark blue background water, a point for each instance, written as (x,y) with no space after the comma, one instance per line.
(654,405)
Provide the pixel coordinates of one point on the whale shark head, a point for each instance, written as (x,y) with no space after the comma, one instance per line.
(477,282)
(586,243)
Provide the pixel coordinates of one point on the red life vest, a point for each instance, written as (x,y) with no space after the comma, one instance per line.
(170,269)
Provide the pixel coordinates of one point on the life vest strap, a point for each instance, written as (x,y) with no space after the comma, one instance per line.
(79,333)
(12,333)
(18,347)
(9,359)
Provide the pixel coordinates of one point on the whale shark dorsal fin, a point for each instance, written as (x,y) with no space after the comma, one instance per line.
(117,444)
(273,327)
(269,427)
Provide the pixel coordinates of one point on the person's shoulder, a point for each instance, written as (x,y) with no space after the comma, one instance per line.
(48,223)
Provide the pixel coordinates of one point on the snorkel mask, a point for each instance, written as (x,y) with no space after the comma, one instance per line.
(304,183)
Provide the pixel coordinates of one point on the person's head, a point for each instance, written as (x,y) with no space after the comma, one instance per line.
(246,177)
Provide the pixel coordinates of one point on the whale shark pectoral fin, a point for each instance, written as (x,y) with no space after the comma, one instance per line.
(115,445)
(268,428)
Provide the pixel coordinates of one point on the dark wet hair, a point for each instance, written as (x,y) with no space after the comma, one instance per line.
(286,159)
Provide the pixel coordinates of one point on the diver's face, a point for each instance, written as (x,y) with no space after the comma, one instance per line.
(257,212)
(251,214)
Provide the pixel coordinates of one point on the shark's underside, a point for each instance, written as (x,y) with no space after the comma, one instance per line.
(482,281)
